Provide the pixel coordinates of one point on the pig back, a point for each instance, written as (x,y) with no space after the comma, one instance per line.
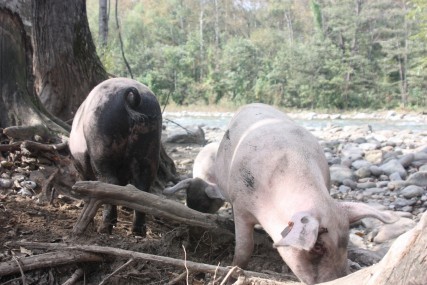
(263,147)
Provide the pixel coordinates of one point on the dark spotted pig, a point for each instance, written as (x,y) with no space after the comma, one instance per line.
(274,173)
(202,194)
(115,138)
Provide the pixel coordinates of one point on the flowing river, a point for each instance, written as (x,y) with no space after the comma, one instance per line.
(415,123)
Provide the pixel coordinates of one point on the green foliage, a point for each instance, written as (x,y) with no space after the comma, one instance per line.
(292,53)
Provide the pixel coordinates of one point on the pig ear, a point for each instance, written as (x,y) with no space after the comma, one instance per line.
(358,211)
(182,185)
(213,192)
(301,232)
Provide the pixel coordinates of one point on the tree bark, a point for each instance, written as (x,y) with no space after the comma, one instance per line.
(66,66)
(103,22)
(19,105)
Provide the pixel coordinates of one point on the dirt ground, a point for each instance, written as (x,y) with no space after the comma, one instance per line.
(34,219)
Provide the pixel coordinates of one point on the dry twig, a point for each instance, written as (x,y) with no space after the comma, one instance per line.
(75,277)
(117,270)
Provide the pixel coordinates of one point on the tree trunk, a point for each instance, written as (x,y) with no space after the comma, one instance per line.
(103,22)
(66,66)
(18,103)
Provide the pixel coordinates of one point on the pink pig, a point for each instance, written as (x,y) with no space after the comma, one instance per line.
(274,173)
(202,192)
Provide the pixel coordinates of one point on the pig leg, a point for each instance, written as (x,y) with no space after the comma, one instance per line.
(142,180)
(109,214)
(244,226)
(109,219)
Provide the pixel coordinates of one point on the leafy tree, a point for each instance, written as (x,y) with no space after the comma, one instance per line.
(295,53)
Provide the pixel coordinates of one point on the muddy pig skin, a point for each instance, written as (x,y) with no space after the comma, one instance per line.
(274,173)
(115,138)
(202,192)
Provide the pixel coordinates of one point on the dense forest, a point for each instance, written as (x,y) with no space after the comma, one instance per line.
(335,54)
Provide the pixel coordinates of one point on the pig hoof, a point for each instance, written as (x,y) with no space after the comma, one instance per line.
(140,231)
(105,228)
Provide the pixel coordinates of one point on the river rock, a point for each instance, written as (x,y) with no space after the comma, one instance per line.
(357,164)
(395,176)
(406,159)
(369,146)
(339,173)
(420,156)
(6,183)
(373,191)
(366,185)
(412,191)
(191,135)
(350,183)
(396,185)
(375,170)
(418,178)
(423,168)
(374,156)
(351,152)
(402,202)
(363,172)
(363,257)
(393,166)
(390,231)
(344,189)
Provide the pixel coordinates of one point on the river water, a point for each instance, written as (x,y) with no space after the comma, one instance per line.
(219,120)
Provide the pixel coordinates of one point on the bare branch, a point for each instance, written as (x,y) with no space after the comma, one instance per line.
(50,259)
(192,266)
(97,193)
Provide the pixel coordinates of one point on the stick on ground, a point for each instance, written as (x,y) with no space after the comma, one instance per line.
(102,250)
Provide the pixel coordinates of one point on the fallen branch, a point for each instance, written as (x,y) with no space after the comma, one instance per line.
(24,282)
(79,273)
(10,147)
(32,146)
(97,193)
(178,278)
(50,259)
(35,146)
(192,266)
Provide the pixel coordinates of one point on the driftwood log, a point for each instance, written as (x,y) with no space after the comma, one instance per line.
(96,193)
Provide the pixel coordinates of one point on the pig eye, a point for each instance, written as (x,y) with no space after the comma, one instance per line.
(304,220)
